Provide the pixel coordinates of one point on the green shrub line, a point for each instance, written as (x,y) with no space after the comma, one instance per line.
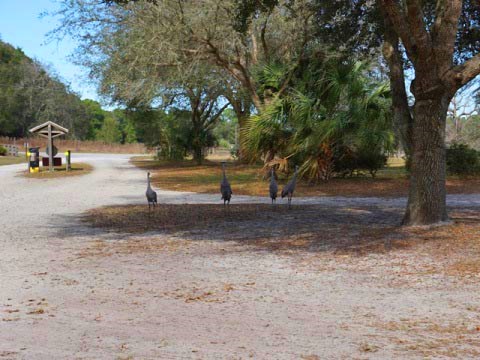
(462,160)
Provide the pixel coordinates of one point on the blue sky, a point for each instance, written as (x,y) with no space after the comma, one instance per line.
(21,26)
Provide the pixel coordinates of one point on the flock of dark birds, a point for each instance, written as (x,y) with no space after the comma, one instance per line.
(226,189)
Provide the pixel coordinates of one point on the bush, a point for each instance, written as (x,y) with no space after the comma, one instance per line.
(372,162)
(462,160)
(347,162)
(3,151)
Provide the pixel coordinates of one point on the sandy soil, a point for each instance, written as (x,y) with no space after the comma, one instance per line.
(69,290)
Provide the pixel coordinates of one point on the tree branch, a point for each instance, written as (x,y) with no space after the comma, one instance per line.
(402,118)
(444,32)
(266,52)
(400,26)
(462,74)
(214,118)
(418,29)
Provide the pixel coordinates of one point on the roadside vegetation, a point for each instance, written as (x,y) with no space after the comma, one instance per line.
(32,93)
(79,146)
(10,160)
(390,181)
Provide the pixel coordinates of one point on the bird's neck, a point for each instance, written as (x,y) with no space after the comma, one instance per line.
(148,181)
(294,179)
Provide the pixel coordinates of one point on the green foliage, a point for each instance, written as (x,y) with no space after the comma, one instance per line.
(225,130)
(109,126)
(129,133)
(31,93)
(358,25)
(96,117)
(462,160)
(347,162)
(333,119)
(3,151)
(109,132)
(245,10)
(172,133)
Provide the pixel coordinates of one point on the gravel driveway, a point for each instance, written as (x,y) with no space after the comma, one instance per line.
(68,291)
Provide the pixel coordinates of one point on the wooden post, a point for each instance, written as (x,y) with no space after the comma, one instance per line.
(68,166)
(50,148)
(27,157)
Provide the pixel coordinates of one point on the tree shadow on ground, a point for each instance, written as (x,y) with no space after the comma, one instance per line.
(270,228)
(311,228)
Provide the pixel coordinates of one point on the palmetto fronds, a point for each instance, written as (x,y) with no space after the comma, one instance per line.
(344,108)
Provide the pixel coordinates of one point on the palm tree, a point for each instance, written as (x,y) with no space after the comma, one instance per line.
(317,122)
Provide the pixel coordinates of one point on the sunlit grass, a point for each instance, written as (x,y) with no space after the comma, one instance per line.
(10,160)
(392,181)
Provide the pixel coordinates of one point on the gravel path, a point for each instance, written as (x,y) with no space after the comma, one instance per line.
(68,291)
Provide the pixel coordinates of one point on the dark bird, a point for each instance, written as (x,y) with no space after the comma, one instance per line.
(151,194)
(273,187)
(290,188)
(225,188)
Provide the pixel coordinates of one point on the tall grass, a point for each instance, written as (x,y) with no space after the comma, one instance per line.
(78,146)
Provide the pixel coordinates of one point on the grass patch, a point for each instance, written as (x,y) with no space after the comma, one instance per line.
(250,180)
(60,171)
(10,160)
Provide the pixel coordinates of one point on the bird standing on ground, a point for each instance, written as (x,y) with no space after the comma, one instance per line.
(151,194)
(290,188)
(273,187)
(225,188)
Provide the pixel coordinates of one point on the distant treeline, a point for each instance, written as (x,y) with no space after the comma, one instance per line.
(31,93)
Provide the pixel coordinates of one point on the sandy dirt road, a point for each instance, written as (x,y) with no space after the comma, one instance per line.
(68,291)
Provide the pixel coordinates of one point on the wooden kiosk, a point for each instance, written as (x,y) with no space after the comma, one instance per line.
(49,130)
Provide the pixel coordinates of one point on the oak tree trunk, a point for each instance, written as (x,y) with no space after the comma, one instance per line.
(427,193)
(198,155)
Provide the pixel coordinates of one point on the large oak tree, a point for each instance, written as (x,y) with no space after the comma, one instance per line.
(431,39)
(437,42)
(150,38)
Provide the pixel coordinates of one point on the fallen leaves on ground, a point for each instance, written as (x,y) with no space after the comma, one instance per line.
(452,250)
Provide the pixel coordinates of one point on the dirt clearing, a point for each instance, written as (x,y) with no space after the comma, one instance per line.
(87,275)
